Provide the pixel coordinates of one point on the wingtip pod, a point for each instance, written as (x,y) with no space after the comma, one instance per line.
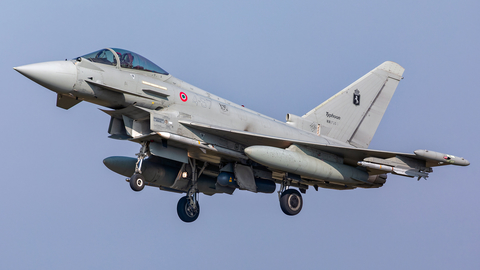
(444,158)
(392,67)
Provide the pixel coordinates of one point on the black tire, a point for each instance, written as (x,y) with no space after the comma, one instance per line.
(137,182)
(185,212)
(291,202)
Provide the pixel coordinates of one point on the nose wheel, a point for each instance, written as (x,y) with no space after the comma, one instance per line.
(137,182)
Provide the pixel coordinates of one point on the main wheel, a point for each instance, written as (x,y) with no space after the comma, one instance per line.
(291,202)
(137,182)
(186,212)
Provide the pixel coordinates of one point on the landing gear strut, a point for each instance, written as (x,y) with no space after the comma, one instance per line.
(137,181)
(188,208)
(291,200)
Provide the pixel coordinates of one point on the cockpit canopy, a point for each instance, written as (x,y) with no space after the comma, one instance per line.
(127,59)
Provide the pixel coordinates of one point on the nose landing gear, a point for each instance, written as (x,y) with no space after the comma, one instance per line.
(137,181)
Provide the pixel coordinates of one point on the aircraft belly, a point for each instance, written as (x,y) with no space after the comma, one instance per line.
(193,152)
(211,158)
(169,152)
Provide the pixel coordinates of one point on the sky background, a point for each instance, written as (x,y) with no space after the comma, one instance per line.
(61,208)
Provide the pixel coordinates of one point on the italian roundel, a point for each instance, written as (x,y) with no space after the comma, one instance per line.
(183,96)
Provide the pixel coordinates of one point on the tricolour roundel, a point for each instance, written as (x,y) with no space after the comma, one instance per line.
(183,96)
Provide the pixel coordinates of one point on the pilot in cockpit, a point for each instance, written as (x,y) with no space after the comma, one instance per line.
(126,60)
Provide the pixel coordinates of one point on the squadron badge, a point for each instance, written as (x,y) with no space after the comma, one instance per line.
(356,97)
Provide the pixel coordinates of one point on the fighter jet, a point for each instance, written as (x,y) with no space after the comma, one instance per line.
(192,141)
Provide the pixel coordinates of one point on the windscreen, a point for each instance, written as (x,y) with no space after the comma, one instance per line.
(103,56)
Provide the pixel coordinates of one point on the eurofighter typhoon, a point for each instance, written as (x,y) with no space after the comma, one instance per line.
(192,141)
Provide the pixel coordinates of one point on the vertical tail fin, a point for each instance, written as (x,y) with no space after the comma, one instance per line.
(353,114)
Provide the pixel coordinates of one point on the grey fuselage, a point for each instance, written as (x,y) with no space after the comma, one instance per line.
(164,93)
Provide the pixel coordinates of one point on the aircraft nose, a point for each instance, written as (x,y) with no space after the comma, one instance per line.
(58,76)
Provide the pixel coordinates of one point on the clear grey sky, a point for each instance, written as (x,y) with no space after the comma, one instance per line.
(61,208)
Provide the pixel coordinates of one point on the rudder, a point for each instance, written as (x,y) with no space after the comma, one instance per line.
(353,114)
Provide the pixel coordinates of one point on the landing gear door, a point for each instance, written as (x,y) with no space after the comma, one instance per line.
(245,177)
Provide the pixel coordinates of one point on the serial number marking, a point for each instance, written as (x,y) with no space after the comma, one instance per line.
(332,122)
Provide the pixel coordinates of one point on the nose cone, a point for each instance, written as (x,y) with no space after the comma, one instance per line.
(58,76)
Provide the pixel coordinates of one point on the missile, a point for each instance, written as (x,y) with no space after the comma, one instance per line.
(304,165)
(411,172)
(379,167)
(202,145)
(442,158)
(181,139)
(227,179)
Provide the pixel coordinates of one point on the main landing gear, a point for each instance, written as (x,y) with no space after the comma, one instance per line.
(187,212)
(291,200)
(188,208)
